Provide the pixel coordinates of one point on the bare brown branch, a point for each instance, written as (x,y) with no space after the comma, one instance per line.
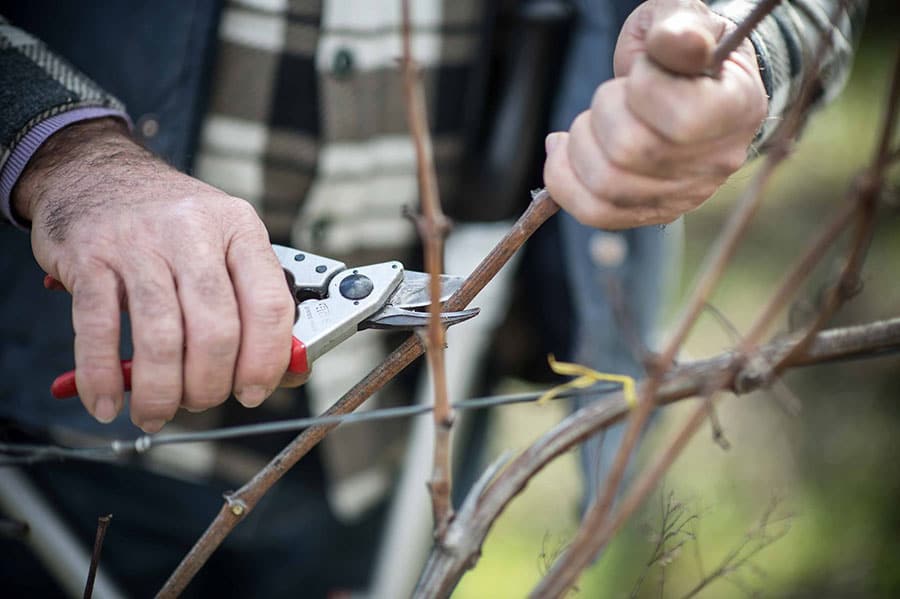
(102,525)
(588,541)
(767,531)
(240,503)
(734,38)
(475,518)
(432,226)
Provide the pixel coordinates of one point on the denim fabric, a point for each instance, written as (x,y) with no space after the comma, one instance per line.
(600,339)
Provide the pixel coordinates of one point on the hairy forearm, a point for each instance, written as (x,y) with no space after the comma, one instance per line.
(80,168)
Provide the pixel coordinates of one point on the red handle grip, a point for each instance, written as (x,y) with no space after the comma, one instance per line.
(64,387)
(299,363)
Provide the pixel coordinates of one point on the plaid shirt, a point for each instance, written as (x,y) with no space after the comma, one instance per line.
(321,146)
(306,121)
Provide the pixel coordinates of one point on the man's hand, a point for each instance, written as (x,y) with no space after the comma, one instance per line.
(210,310)
(661,137)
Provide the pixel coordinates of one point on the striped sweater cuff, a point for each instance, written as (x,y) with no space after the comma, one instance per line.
(29,144)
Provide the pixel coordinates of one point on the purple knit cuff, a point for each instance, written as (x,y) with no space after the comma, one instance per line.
(33,140)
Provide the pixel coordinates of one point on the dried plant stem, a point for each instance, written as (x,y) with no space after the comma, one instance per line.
(102,525)
(587,542)
(863,198)
(432,225)
(734,38)
(795,277)
(564,572)
(868,189)
(447,563)
(240,503)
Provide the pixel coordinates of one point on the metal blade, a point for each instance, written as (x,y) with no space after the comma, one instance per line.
(413,290)
(398,319)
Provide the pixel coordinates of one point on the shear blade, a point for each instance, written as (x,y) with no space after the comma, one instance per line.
(398,319)
(413,290)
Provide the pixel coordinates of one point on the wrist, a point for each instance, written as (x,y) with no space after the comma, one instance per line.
(62,158)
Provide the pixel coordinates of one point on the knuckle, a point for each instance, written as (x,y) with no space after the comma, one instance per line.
(162,345)
(273,308)
(96,325)
(624,147)
(245,214)
(684,126)
(589,212)
(730,162)
(97,373)
(217,340)
(595,175)
(152,299)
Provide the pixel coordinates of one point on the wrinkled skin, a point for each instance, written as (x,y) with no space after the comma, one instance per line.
(209,306)
(660,137)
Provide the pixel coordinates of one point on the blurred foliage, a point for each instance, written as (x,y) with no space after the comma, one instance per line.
(833,466)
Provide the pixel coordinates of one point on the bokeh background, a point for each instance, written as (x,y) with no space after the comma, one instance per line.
(832,469)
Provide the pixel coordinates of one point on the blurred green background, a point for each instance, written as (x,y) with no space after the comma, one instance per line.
(833,467)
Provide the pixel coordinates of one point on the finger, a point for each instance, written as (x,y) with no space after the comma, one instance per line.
(694,110)
(588,209)
(212,330)
(681,34)
(293,380)
(682,38)
(266,311)
(96,320)
(631,145)
(158,339)
(615,184)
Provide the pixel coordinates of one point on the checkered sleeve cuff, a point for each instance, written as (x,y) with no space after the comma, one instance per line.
(786,42)
(40,93)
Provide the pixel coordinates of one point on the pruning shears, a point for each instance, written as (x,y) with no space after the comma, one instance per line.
(332,303)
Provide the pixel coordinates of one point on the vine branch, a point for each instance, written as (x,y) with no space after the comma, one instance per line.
(239,504)
(433,227)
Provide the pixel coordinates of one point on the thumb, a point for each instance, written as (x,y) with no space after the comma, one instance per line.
(683,40)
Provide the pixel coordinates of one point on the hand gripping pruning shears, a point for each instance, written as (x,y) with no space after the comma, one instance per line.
(333,302)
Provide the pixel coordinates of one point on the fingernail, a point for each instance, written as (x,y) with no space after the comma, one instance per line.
(252,396)
(153,426)
(551,141)
(105,409)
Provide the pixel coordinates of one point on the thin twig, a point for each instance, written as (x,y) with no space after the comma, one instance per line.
(581,554)
(869,187)
(102,525)
(737,557)
(734,38)
(865,195)
(587,542)
(479,512)
(240,503)
(432,225)
(672,527)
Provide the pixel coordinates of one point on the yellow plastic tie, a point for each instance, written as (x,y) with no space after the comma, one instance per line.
(585,377)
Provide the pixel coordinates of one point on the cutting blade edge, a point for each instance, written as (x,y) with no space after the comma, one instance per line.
(398,319)
(413,289)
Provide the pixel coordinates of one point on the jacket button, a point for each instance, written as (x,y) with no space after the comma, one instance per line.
(342,64)
(147,126)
